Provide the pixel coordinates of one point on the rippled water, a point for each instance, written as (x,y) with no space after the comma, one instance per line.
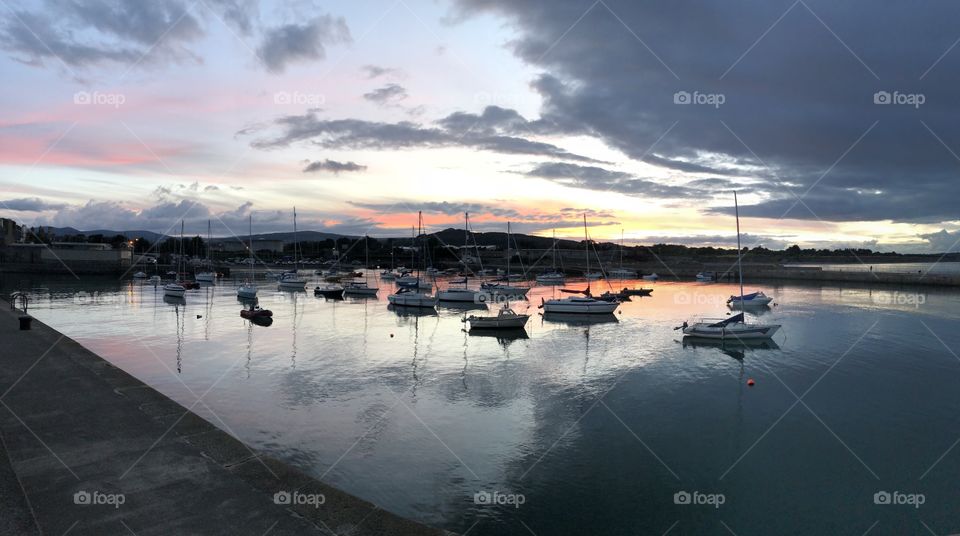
(597,426)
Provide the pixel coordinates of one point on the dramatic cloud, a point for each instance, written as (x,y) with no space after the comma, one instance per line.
(30,204)
(333,166)
(82,34)
(797,81)
(387,95)
(442,207)
(596,178)
(360,134)
(293,43)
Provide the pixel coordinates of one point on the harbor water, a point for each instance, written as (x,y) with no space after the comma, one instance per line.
(613,425)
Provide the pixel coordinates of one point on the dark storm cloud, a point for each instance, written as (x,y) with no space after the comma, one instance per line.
(798,93)
(291,43)
(91,32)
(360,134)
(333,166)
(596,178)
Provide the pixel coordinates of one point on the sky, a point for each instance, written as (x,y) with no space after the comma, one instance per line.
(833,122)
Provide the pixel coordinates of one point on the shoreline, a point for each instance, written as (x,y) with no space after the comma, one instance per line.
(73,423)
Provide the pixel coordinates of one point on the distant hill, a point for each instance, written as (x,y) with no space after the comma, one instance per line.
(70,231)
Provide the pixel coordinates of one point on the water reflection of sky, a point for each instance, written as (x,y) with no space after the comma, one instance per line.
(596,424)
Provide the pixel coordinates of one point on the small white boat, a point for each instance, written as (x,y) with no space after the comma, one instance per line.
(505,319)
(551,278)
(754,299)
(579,305)
(410,298)
(413,282)
(387,275)
(174,290)
(733,328)
(458,295)
(140,275)
(292,282)
(651,277)
(622,273)
(155,279)
(359,288)
(206,277)
(594,275)
(706,276)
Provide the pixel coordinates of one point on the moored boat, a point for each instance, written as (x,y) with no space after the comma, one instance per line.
(506,318)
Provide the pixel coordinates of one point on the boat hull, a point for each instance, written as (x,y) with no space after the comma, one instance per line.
(292,284)
(360,291)
(510,322)
(413,300)
(174,291)
(756,302)
(206,277)
(460,295)
(596,307)
(741,332)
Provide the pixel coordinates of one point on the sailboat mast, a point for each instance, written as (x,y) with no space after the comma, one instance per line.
(554,251)
(296,244)
(586,250)
(508,253)
(250,247)
(466,244)
(736,209)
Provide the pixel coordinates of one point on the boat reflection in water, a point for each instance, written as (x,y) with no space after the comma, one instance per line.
(504,337)
(576,319)
(403,310)
(461,306)
(174,300)
(732,347)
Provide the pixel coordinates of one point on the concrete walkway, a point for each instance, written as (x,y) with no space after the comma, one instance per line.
(88,449)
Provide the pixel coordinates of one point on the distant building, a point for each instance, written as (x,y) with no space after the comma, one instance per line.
(239,245)
(9,232)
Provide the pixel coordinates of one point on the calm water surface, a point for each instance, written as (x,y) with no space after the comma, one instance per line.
(597,426)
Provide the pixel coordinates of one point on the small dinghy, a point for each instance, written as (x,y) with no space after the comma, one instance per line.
(255,312)
(329,291)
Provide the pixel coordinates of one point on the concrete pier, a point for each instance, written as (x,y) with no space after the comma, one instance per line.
(85,448)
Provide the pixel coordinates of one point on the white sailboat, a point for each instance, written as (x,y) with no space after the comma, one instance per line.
(461,294)
(735,327)
(291,280)
(506,289)
(206,276)
(175,289)
(247,290)
(581,304)
(414,296)
(362,288)
(553,277)
(621,272)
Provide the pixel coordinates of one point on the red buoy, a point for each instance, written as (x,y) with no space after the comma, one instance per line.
(750,382)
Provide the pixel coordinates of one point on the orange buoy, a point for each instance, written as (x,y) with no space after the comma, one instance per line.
(750,382)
